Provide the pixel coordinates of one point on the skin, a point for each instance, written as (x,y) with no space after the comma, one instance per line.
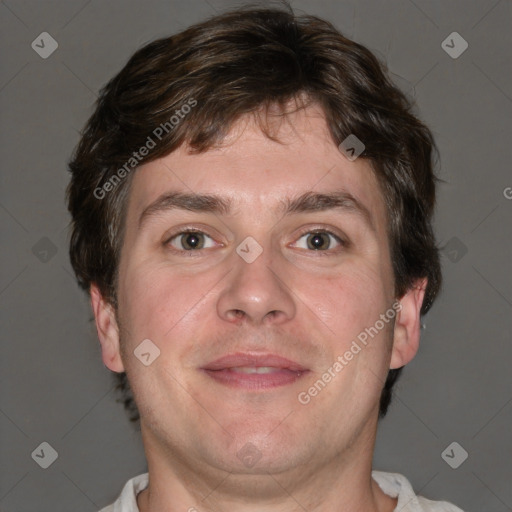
(304,304)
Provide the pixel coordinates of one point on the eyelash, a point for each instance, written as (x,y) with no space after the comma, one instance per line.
(187,231)
(327,252)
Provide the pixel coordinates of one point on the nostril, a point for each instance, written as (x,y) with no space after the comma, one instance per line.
(272,315)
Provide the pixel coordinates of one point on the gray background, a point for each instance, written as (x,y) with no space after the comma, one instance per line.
(54,387)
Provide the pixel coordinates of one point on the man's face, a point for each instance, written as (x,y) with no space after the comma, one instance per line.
(217,310)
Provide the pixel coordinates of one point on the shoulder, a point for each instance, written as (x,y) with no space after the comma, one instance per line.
(127,500)
(397,486)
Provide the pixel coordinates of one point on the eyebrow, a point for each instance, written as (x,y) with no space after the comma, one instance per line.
(305,203)
(337,200)
(185,201)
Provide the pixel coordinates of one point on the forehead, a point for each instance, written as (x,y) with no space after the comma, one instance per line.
(250,169)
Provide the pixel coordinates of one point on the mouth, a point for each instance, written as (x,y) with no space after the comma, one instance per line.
(254,371)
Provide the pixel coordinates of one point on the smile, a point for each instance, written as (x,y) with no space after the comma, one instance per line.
(254,371)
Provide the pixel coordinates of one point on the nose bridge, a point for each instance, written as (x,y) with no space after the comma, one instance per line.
(254,291)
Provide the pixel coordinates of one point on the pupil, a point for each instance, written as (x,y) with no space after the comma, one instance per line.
(317,241)
(192,241)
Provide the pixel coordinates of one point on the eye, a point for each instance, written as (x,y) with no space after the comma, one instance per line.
(190,240)
(319,241)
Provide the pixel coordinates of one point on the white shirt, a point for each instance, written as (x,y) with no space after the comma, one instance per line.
(393,484)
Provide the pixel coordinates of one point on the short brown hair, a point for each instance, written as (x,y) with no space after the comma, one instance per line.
(243,62)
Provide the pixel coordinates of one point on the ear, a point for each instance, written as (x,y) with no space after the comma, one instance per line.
(108,331)
(406,338)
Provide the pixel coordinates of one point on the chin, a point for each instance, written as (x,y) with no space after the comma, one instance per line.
(262,453)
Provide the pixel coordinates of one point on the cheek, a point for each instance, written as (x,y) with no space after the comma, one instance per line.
(158,300)
(345,301)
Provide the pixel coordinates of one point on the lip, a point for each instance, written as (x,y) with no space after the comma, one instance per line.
(282,371)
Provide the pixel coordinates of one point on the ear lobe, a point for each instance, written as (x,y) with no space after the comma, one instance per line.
(108,330)
(406,338)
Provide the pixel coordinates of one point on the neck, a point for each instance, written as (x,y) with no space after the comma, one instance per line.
(342,483)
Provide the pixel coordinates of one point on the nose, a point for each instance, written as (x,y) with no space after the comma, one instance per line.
(256,294)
